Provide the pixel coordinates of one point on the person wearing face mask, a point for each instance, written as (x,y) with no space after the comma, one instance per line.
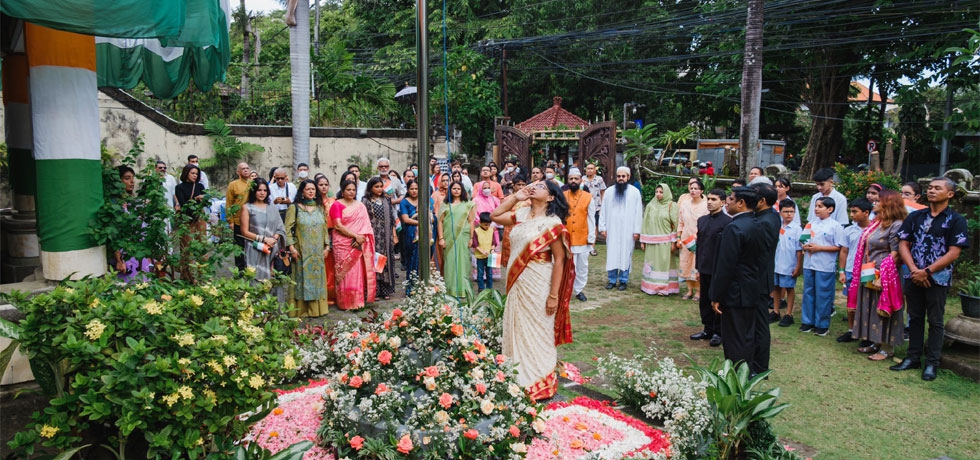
(549,174)
(485,201)
(486,177)
(302,172)
(507,176)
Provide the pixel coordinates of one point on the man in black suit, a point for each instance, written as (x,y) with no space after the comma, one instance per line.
(709,239)
(736,286)
(769,224)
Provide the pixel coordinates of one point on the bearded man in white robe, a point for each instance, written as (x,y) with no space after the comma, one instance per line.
(620,220)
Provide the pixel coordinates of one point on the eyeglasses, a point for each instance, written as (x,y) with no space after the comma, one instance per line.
(539,186)
(280,177)
(383,166)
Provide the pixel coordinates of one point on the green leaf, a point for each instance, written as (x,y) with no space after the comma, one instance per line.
(66,455)
(6,354)
(293,452)
(9,330)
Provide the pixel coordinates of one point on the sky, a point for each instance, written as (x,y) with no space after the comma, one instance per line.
(260,5)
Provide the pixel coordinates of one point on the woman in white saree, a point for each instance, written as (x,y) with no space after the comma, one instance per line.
(537,320)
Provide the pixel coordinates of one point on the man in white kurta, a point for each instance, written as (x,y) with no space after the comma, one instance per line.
(581,227)
(620,220)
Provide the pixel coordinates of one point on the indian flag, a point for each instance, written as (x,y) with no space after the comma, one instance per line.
(807,234)
(868,272)
(691,243)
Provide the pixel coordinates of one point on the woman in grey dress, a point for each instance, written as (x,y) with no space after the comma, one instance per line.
(261,223)
(872,320)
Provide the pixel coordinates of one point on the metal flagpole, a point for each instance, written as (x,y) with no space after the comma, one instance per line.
(422,55)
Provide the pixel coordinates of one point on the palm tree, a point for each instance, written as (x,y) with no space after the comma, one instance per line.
(298,20)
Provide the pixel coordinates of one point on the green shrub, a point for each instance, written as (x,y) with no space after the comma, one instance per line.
(169,362)
(854,184)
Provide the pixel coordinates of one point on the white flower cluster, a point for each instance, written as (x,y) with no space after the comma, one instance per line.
(663,392)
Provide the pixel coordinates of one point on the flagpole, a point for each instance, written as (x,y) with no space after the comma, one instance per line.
(422,116)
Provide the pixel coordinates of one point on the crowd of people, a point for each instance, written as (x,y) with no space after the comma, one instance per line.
(737,252)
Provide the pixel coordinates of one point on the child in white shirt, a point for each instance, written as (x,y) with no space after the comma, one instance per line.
(789,260)
(822,242)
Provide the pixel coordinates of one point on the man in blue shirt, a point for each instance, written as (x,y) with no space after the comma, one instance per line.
(931,240)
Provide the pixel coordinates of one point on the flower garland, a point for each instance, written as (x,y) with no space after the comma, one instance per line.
(296,418)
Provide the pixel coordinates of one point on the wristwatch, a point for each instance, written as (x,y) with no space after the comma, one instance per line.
(928,272)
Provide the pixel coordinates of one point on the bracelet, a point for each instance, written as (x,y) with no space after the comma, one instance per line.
(553,296)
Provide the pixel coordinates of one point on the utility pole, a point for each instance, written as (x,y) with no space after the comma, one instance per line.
(751,88)
(422,56)
(503,66)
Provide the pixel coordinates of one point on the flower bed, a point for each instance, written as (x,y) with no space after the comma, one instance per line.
(295,419)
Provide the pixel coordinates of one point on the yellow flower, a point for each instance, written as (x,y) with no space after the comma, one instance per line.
(197,300)
(142,285)
(184,339)
(185,392)
(216,367)
(199,442)
(256,382)
(289,362)
(230,361)
(69,291)
(211,396)
(171,399)
(95,303)
(222,339)
(180,292)
(166,297)
(250,270)
(48,431)
(153,308)
(94,329)
(184,362)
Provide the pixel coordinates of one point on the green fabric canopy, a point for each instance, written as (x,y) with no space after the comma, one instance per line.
(163,43)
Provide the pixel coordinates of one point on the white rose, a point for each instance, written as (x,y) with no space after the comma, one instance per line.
(395,342)
(514,390)
(519,447)
(486,406)
(478,374)
(430,383)
(538,425)
(442,417)
(366,377)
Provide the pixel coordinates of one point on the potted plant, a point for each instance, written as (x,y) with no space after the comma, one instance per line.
(970,298)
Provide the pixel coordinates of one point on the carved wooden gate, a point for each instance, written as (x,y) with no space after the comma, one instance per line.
(598,143)
(514,143)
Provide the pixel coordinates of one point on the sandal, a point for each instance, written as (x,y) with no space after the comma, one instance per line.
(696,298)
(869,349)
(686,297)
(881,355)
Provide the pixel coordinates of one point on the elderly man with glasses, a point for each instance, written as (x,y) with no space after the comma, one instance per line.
(281,191)
(169,182)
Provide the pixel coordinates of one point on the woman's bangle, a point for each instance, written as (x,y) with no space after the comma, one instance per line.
(553,296)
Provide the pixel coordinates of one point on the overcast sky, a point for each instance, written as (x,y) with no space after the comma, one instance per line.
(260,5)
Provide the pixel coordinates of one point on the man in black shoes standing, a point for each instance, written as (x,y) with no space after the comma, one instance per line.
(736,286)
(931,240)
(709,238)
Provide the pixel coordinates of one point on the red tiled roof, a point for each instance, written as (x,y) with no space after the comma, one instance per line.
(553,117)
(862,95)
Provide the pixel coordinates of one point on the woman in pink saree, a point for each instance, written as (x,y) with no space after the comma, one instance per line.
(353,249)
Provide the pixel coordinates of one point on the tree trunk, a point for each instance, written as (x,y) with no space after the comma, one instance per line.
(246,59)
(828,106)
(901,157)
(889,158)
(299,66)
(751,88)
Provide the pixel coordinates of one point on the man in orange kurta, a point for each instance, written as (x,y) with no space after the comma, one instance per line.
(581,227)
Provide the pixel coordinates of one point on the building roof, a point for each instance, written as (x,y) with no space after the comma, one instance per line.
(862,95)
(551,118)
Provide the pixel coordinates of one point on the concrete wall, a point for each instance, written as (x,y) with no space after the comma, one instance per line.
(124,118)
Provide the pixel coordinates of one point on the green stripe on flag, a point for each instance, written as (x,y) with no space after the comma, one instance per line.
(69,192)
(110,18)
(22,162)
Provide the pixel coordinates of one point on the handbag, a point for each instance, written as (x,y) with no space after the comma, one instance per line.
(281,262)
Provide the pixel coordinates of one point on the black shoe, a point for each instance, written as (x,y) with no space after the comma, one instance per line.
(846,337)
(715,341)
(773,316)
(821,331)
(865,343)
(701,336)
(610,285)
(622,286)
(787,321)
(907,364)
(905,335)
(782,304)
(581,296)
(929,373)
(806,328)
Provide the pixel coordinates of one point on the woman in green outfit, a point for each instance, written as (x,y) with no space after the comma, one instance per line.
(309,243)
(455,230)
(657,239)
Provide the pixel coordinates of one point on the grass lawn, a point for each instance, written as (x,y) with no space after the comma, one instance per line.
(843,406)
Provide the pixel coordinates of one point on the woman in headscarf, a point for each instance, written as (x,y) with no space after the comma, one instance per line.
(657,239)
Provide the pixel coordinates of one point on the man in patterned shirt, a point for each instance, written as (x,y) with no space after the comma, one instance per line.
(597,187)
(931,240)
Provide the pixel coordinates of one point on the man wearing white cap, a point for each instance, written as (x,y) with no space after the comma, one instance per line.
(581,226)
(620,220)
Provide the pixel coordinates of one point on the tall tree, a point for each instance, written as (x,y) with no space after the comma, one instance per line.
(298,20)
(751,88)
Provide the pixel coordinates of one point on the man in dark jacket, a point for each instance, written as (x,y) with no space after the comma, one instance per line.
(709,238)
(736,286)
(768,233)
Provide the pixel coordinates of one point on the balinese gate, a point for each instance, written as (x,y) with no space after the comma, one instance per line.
(514,143)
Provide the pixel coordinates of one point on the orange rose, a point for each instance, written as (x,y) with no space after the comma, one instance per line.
(405,444)
(471,434)
(357,442)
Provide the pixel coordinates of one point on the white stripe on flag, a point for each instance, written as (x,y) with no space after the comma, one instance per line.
(65,111)
(152,45)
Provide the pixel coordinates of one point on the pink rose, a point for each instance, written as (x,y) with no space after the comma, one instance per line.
(457,330)
(514,431)
(381,389)
(396,313)
(357,442)
(501,359)
(384,357)
(471,434)
(405,444)
(446,400)
(470,356)
(500,376)
(481,388)
(431,371)
(356,381)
